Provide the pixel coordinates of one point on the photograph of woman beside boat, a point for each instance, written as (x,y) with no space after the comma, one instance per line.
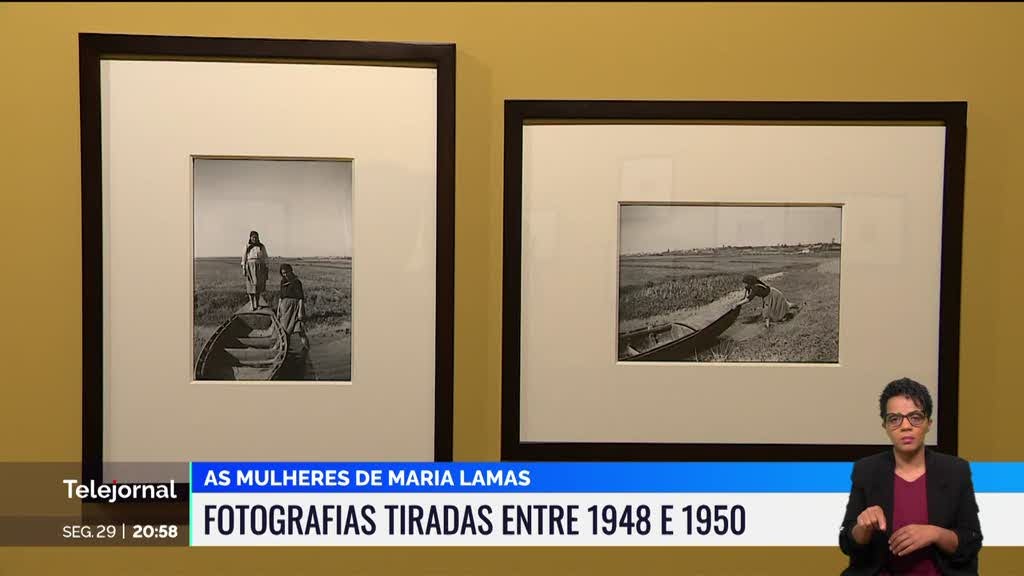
(729,283)
(245,327)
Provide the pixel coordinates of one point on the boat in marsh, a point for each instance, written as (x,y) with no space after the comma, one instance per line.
(251,345)
(674,341)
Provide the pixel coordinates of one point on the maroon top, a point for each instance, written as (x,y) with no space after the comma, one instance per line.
(910,506)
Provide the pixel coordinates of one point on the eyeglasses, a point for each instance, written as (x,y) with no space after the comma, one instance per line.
(896,420)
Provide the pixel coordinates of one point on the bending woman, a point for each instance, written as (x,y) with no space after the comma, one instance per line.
(255,268)
(911,510)
(774,306)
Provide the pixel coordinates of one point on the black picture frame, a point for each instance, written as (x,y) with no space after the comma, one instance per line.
(520,113)
(93,48)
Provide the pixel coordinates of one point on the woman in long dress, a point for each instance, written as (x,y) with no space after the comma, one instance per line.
(774,306)
(291,312)
(256,269)
(291,303)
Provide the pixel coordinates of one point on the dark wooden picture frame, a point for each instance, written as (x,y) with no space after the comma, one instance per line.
(93,48)
(520,113)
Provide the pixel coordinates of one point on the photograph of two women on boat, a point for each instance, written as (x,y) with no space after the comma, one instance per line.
(729,283)
(272,270)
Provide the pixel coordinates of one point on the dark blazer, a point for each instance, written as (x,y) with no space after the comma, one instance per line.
(951,505)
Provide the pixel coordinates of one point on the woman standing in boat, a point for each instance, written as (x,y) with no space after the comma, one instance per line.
(774,306)
(255,269)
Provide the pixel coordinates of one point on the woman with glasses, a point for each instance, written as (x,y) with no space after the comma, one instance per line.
(911,510)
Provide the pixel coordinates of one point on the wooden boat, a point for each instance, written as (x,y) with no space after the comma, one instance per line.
(675,340)
(251,345)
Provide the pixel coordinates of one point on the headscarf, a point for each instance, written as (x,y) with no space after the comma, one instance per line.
(756,286)
(291,286)
(251,243)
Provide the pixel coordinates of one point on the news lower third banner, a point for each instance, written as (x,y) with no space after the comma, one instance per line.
(548,504)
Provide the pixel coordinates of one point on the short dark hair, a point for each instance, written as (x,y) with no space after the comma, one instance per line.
(909,388)
(286,268)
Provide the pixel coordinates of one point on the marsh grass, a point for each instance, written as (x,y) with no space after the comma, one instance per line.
(220,291)
(655,289)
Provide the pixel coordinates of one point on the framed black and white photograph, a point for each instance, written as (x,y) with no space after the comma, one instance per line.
(729,283)
(272,269)
(726,280)
(268,251)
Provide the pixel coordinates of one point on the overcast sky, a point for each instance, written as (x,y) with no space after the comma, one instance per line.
(656,228)
(300,208)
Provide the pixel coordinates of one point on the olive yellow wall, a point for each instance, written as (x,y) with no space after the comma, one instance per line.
(653,51)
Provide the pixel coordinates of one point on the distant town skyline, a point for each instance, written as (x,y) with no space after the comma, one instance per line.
(300,208)
(650,228)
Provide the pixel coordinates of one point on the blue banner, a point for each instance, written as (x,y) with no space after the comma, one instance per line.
(998,476)
(550,477)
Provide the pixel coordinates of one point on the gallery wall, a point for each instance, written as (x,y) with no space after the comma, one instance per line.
(568,51)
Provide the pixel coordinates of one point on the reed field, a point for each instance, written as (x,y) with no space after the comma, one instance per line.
(656,289)
(327,284)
